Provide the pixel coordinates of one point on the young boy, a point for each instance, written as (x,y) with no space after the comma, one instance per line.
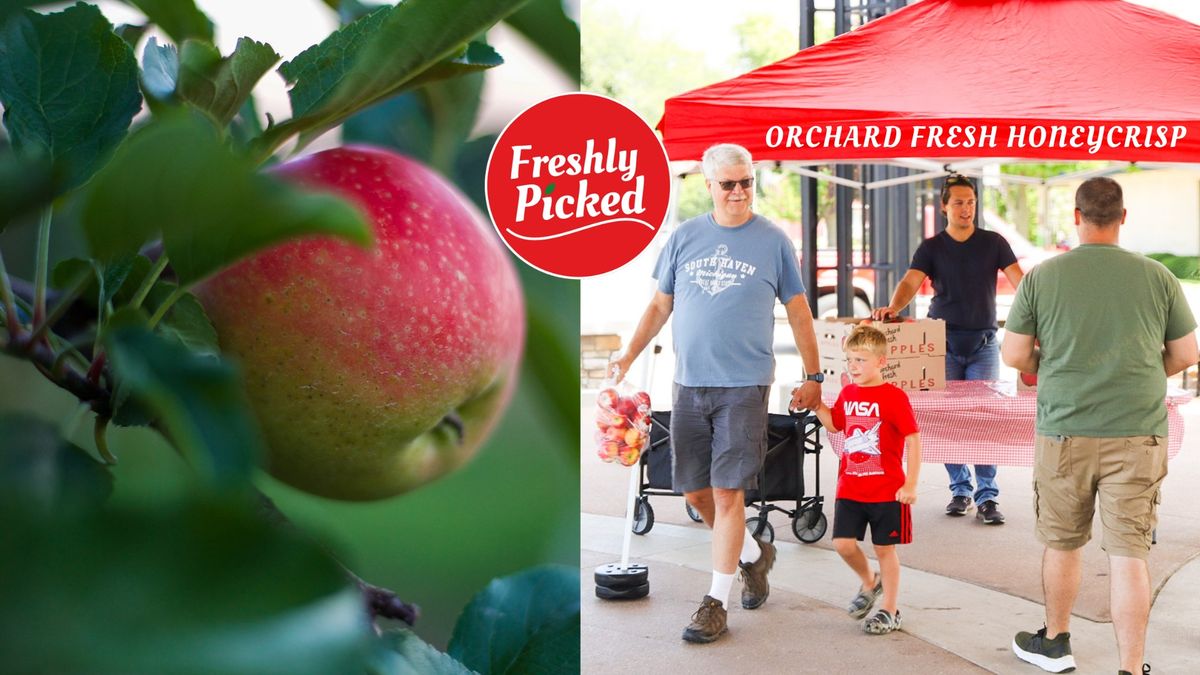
(872,488)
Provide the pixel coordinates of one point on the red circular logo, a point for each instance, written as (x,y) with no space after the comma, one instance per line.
(578,185)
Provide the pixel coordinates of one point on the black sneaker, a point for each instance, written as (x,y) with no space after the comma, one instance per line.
(989,513)
(958,506)
(1053,656)
(1145,670)
(708,623)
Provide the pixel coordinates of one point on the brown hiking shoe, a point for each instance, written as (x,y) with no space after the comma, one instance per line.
(754,575)
(708,623)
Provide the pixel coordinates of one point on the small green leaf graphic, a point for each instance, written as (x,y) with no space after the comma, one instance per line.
(549,189)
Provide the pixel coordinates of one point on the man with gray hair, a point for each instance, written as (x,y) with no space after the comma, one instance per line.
(1102,328)
(720,275)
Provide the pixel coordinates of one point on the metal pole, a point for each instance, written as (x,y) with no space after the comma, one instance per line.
(808,220)
(845,242)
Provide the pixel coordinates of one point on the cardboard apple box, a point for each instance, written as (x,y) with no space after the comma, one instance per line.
(907,339)
(915,374)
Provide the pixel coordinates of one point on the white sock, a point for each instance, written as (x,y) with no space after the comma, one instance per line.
(750,549)
(721,583)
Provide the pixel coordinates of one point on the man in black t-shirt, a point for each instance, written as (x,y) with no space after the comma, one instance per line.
(962,261)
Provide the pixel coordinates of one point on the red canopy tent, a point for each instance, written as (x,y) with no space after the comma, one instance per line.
(1035,79)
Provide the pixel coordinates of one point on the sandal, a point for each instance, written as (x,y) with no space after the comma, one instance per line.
(865,600)
(882,622)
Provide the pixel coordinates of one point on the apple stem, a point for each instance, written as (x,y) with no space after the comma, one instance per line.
(148,282)
(455,422)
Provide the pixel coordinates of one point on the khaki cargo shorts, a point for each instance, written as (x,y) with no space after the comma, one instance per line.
(1126,473)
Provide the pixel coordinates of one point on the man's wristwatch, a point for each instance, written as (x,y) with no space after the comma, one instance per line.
(815,377)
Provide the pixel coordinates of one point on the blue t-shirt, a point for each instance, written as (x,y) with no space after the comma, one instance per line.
(725,281)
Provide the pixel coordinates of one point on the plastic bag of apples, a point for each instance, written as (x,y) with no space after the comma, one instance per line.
(623,423)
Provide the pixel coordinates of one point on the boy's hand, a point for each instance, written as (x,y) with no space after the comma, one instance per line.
(907,494)
(806,396)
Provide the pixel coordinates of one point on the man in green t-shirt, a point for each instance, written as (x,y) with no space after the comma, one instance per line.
(1102,328)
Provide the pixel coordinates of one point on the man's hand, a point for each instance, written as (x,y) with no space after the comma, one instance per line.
(807,395)
(621,364)
(884,313)
(907,494)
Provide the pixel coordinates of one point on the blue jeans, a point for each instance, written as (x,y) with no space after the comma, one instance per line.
(982,364)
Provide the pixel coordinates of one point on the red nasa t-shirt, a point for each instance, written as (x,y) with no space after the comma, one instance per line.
(875,421)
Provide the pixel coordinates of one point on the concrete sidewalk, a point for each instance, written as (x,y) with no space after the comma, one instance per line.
(966,588)
(803,627)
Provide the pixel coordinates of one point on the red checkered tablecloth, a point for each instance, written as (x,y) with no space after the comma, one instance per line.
(984,422)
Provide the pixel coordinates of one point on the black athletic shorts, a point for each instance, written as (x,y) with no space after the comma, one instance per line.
(891,522)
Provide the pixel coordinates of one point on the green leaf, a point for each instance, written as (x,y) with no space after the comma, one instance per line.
(160,70)
(122,293)
(131,33)
(318,70)
(127,410)
(525,623)
(67,271)
(549,189)
(69,87)
(198,402)
(179,19)
(27,184)
(219,86)
(200,588)
(41,470)
(473,58)
(547,26)
(211,207)
(246,125)
(185,321)
(401,652)
(116,272)
(10,7)
(379,56)
(431,123)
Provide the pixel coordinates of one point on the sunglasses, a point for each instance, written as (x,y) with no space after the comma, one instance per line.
(728,185)
(955,180)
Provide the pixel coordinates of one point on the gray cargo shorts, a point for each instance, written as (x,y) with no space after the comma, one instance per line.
(718,437)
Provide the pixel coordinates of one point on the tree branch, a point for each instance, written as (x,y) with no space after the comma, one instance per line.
(66,377)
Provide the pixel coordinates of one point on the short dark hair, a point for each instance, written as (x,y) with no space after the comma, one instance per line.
(1100,201)
(956,180)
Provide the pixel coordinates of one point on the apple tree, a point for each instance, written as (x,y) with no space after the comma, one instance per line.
(212,334)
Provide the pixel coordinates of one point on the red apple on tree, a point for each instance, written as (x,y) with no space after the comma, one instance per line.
(374,371)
